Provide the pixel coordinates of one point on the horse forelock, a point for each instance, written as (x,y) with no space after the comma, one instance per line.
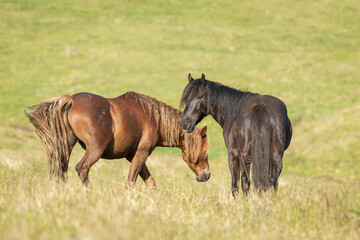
(186,93)
(193,144)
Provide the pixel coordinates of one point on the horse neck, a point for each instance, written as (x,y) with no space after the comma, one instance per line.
(167,119)
(170,131)
(172,135)
(222,103)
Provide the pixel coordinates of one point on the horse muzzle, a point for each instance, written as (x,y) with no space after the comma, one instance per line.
(203,177)
(187,126)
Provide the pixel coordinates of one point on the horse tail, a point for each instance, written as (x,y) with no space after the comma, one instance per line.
(50,121)
(261,148)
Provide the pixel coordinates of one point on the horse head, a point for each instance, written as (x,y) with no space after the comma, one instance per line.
(195,99)
(195,150)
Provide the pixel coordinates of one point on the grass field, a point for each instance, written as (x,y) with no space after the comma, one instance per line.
(307,53)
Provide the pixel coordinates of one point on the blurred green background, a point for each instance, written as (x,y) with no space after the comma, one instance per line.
(306,53)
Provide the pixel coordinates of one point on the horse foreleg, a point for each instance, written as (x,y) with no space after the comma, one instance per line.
(147,178)
(235,172)
(138,166)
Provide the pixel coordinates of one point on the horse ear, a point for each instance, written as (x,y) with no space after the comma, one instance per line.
(203,80)
(203,132)
(190,78)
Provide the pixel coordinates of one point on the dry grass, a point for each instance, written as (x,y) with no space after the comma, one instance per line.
(32,207)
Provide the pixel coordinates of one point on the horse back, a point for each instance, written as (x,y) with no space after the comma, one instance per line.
(98,121)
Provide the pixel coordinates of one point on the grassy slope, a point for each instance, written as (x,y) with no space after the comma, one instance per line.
(306,53)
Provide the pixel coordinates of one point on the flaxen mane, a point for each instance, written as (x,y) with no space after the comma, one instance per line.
(168,119)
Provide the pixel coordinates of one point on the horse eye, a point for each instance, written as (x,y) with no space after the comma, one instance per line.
(200,96)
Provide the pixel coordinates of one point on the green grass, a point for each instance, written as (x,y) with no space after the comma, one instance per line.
(304,52)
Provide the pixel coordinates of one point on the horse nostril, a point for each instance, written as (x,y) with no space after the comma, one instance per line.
(208,176)
(187,123)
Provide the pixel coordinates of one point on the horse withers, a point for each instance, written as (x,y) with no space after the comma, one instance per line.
(130,126)
(256,129)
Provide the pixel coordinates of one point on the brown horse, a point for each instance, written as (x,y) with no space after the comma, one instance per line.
(256,129)
(130,126)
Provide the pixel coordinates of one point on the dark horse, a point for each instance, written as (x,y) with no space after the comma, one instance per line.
(130,126)
(256,129)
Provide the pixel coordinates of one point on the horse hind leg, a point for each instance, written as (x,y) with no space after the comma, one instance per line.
(245,172)
(94,150)
(276,169)
(65,162)
(90,120)
(92,155)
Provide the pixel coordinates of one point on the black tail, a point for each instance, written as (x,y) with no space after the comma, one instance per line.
(261,148)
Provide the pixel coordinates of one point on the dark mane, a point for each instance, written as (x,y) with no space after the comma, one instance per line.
(224,99)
